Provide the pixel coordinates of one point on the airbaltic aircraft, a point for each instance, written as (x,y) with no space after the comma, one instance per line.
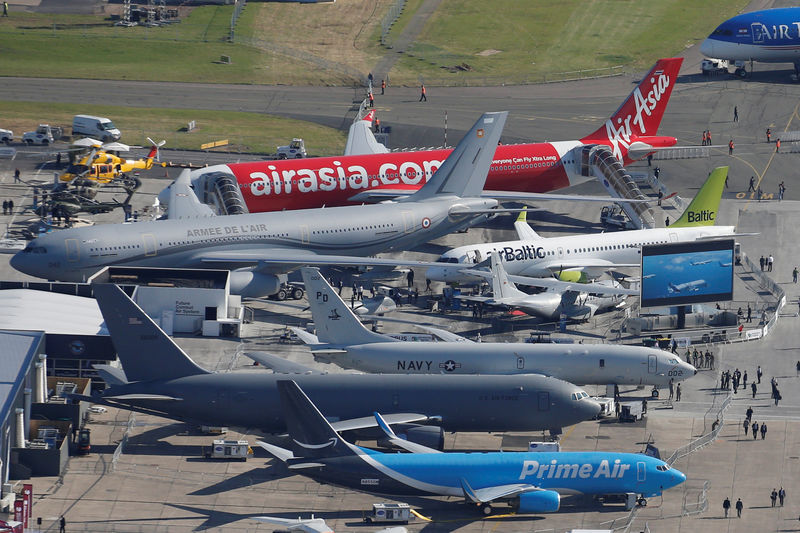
(344,341)
(768,36)
(594,254)
(530,168)
(159,378)
(531,482)
(246,243)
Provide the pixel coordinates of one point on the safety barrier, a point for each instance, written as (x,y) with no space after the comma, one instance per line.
(121,446)
(389,19)
(237,11)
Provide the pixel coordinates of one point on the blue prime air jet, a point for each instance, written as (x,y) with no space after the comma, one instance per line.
(531,482)
(768,36)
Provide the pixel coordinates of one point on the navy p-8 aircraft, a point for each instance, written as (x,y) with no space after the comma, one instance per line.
(343,340)
(260,247)
(532,482)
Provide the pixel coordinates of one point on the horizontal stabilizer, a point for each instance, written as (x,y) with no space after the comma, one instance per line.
(305,336)
(310,525)
(301,466)
(157,397)
(112,375)
(279,453)
(279,365)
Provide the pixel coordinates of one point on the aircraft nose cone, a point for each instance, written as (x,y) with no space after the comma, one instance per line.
(678,477)
(589,408)
(18,262)
(707,48)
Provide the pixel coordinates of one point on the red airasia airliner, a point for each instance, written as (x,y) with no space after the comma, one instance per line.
(529,168)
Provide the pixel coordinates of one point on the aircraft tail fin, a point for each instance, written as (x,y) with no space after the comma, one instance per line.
(145,351)
(335,322)
(641,113)
(311,433)
(182,200)
(702,211)
(524,231)
(464,171)
(501,286)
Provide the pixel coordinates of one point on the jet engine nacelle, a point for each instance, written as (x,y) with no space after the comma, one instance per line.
(430,436)
(539,501)
(250,284)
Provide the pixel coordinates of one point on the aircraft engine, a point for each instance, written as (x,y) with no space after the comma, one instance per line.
(250,284)
(430,436)
(540,501)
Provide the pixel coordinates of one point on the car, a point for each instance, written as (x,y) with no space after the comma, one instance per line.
(6,136)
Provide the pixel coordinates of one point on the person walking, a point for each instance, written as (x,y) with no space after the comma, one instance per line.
(423,94)
(383,87)
(754,429)
(749,313)
(739,507)
(781,191)
(754,388)
(371,100)
(759,373)
(735,114)
(11,207)
(671,388)
(726,506)
(746,426)
(16,176)
(761,262)
(62,524)
(5,9)
(752,184)
(770,261)
(708,137)
(794,275)
(781,495)
(749,412)
(678,393)
(777,146)
(769,135)
(730,147)
(704,137)
(763,430)
(773,496)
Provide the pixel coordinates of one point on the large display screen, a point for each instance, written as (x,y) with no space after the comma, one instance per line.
(687,273)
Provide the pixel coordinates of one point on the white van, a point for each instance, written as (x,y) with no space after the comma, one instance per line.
(95,127)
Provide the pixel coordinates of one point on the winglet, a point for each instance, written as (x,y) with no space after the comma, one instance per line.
(702,211)
(524,231)
(468,492)
(464,171)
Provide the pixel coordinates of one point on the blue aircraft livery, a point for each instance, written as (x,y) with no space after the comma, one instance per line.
(769,35)
(531,482)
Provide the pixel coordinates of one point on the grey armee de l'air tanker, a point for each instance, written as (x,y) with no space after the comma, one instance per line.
(343,340)
(259,247)
(160,379)
(594,254)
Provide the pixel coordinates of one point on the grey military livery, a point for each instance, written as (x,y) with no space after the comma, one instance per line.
(343,340)
(259,247)
(159,378)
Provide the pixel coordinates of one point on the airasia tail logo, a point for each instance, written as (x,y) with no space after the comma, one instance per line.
(619,135)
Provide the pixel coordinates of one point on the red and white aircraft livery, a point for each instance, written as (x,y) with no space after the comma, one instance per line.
(528,168)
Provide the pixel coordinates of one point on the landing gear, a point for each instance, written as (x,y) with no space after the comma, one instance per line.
(642,501)
(486,509)
(741,72)
(654,392)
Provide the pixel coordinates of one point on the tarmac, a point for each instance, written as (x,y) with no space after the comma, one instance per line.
(161,484)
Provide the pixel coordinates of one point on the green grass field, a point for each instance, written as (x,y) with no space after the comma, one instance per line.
(246,132)
(507,41)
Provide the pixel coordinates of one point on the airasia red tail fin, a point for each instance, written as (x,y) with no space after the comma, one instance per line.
(640,115)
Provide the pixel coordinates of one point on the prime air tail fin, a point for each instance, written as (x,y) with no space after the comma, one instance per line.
(703,209)
(335,322)
(524,231)
(311,434)
(464,171)
(640,115)
(145,351)
(501,287)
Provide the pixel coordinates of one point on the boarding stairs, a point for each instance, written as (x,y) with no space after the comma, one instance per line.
(222,191)
(598,161)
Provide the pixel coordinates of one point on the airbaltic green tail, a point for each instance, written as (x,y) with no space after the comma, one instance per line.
(703,209)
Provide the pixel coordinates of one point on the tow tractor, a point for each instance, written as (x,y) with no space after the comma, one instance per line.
(612,216)
(295,150)
(45,134)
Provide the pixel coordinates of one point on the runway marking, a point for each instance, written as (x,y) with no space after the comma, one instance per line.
(761,176)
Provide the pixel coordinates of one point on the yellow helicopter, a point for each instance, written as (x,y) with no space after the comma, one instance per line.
(102,164)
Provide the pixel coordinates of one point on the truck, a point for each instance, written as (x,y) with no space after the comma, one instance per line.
(6,136)
(711,66)
(295,150)
(229,449)
(388,512)
(612,216)
(45,134)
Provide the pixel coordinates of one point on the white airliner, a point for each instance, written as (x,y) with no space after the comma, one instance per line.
(592,254)
(579,301)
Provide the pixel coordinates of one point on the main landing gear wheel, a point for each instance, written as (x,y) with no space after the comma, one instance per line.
(297,293)
(742,73)
(486,509)
(281,295)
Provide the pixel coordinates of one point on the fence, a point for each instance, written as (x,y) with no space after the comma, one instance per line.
(237,11)
(389,19)
(124,441)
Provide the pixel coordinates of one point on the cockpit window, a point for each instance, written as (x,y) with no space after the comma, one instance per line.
(663,468)
(579,395)
(31,249)
(673,361)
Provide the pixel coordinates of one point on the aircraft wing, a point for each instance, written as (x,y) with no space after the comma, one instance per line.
(565,286)
(309,525)
(370,422)
(488,494)
(279,365)
(578,264)
(447,336)
(159,397)
(412,447)
(508,196)
(290,259)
